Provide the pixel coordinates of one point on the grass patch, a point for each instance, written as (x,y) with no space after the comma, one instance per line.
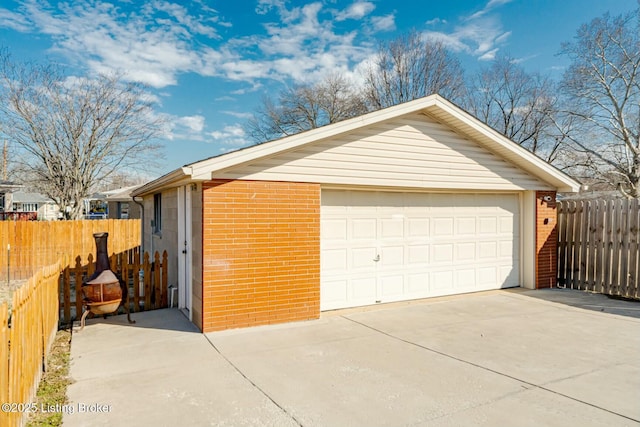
(53,386)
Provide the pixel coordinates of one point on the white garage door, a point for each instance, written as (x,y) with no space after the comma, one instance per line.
(387,246)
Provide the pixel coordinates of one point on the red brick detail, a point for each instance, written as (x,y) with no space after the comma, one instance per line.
(546,239)
(261,253)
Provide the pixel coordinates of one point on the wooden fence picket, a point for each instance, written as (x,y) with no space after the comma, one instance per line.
(127,266)
(598,245)
(34,244)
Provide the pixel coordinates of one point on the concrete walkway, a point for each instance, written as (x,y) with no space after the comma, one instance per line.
(498,358)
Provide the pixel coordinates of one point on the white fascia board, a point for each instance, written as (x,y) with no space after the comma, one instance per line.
(206,168)
(498,142)
(173,178)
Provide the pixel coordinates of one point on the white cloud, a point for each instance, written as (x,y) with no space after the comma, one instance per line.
(14,21)
(231,137)
(152,45)
(231,131)
(194,123)
(265,6)
(489,55)
(357,10)
(238,115)
(489,6)
(182,128)
(384,23)
(157,42)
(480,34)
(436,21)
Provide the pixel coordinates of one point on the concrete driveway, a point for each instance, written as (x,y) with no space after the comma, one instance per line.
(517,358)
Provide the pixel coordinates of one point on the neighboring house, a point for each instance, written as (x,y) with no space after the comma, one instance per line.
(413,201)
(33,206)
(7,188)
(121,204)
(112,204)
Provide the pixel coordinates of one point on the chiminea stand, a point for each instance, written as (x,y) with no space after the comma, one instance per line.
(103,292)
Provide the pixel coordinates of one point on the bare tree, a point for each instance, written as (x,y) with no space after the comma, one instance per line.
(517,104)
(410,67)
(305,107)
(601,88)
(74,132)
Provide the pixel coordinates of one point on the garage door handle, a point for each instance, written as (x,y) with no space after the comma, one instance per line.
(377,258)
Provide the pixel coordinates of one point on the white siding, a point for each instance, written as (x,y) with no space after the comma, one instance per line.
(410,151)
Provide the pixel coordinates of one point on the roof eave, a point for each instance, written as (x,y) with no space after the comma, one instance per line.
(171,179)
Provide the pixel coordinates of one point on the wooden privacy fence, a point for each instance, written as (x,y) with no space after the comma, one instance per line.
(598,246)
(27,245)
(147,294)
(26,337)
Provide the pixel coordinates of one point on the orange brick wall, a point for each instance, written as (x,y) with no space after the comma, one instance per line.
(261,253)
(546,240)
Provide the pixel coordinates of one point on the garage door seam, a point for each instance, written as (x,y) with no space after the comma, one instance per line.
(487,369)
(264,393)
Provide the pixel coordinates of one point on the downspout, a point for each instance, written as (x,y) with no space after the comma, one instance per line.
(141,271)
(139,203)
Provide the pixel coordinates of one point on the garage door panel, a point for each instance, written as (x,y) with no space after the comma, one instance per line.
(442,253)
(466,252)
(442,280)
(392,287)
(363,228)
(418,254)
(508,277)
(428,245)
(487,276)
(363,289)
(392,256)
(465,226)
(334,260)
(392,228)
(334,229)
(506,249)
(487,250)
(418,283)
(488,225)
(442,227)
(465,278)
(334,293)
(418,227)
(363,257)
(506,224)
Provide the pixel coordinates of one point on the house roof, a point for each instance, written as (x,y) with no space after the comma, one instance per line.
(8,185)
(434,105)
(120,194)
(26,197)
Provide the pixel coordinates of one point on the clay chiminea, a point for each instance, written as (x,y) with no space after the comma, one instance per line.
(103,292)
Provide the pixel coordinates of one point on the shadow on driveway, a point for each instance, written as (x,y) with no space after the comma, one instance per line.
(588,301)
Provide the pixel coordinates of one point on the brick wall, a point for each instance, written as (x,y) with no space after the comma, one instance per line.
(546,240)
(261,253)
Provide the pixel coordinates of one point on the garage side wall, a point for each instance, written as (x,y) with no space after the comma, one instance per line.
(261,253)
(546,239)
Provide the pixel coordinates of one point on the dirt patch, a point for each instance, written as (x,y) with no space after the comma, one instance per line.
(6,289)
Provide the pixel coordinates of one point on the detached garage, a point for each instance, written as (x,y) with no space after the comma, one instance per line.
(413,201)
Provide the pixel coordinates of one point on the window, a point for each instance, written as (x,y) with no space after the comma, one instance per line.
(123,210)
(2,202)
(29,207)
(157,213)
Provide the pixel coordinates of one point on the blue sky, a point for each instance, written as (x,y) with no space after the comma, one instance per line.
(209,63)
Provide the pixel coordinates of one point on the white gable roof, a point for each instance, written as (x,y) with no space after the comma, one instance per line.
(238,164)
